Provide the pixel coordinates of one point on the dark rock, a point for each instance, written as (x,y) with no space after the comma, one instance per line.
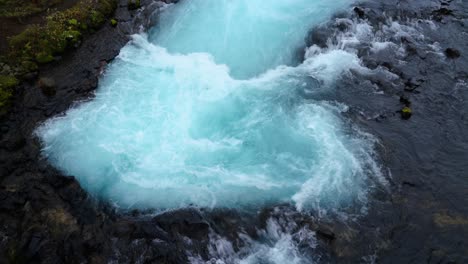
(185,221)
(405,100)
(133,4)
(102,66)
(319,36)
(344,24)
(443,12)
(413,83)
(325,233)
(452,53)
(359,12)
(14,141)
(406,113)
(410,184)
(89,84)
(47,86)
(30,77)
(47,217)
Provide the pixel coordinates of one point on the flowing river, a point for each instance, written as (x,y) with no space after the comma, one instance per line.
(217,107)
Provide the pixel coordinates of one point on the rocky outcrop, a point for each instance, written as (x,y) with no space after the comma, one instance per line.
(413,66)
(46,217)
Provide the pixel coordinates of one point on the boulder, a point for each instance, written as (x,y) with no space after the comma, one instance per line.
(47,86)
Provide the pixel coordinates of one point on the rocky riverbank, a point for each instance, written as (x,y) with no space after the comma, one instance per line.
(46,217)
(414,57)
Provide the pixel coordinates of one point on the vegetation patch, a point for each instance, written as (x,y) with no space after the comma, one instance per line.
(445,220)
(113,22)
(23,8)
(7,83)
(41,44)
(62,30)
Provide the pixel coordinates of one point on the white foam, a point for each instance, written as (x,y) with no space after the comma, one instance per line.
(170,128)
(279,243)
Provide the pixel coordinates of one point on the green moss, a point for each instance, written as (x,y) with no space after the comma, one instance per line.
(96,19)
(406,110)
(72,36)
(113,22)
(5,96)
(29,66)
(73,22)
(62,30)
(23,8)
(7,83)
(406,113)
(44,57)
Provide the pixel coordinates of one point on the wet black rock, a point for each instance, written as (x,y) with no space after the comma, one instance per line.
(452,53)
(326,233)
(416,81)
(47,85)
(359,12)
(405,100)
(30,77)
(133,4)
(319,36)
(46,217)
(440,13)
(184,221)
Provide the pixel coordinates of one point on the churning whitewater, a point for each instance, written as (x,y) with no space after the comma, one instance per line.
(213,108)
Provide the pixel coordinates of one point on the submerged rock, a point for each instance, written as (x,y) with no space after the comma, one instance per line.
(359,11)
(452,53)
(405,100)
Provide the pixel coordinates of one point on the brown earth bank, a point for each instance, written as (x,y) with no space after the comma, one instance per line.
(46,217)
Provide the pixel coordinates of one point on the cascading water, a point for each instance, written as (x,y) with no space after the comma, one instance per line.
(213,109)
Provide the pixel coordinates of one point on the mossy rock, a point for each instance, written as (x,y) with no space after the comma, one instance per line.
(96,19)
(44,57)
(7,83)
(406,113)
(72,36)
(29,66)
(5,96)
(73,22)
(133,4)
(61,30)
(113,22)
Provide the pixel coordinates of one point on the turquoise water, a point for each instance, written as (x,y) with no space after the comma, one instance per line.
(212,108)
